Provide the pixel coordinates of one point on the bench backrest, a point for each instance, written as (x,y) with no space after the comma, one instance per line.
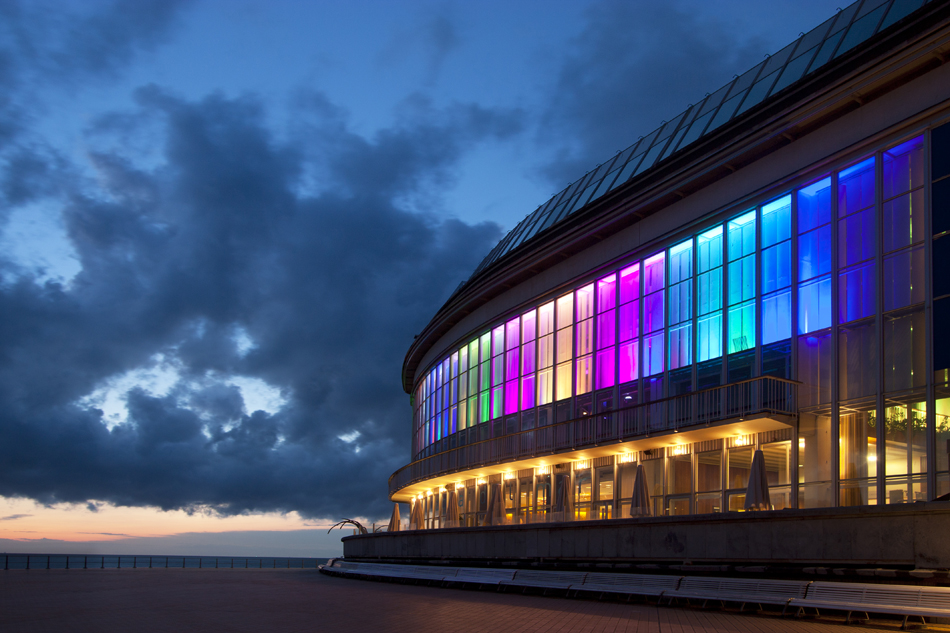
(653,581)
(491,574)
(871,594)
(743,588)
(553,578)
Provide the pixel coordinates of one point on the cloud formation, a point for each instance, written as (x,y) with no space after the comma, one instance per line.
(218,248)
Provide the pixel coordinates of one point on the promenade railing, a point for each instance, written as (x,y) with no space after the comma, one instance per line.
(82,561)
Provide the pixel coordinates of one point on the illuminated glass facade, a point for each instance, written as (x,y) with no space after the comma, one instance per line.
(805,318)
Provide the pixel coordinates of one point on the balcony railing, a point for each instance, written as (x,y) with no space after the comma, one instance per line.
(762,395)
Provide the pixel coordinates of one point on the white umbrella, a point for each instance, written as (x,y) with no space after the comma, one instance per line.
(452,512)
(640,501)
(757,494)
(493,513)
(395,523)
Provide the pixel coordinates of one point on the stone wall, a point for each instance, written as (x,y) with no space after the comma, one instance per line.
(909,535)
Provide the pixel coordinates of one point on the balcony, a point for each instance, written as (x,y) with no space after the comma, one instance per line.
(769,401)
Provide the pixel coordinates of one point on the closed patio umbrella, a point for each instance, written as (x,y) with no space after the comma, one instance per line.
(493,513)
(416,519)
(452,512)
(757,494)
(640,501)
(567,500)
(395,523)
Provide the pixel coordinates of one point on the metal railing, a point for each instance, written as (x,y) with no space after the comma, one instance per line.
(762,395)
(82,561)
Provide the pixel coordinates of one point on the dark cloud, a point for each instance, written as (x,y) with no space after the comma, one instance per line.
(14,517)
(634,65)
(221,241)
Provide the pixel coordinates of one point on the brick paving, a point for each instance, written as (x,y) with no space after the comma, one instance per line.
(305,600)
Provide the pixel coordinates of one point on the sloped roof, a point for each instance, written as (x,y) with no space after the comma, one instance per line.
(810,52)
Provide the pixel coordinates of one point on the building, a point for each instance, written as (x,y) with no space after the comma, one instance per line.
(766,270)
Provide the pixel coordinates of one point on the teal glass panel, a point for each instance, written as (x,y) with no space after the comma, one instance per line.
(777,221)
(776,317)
(709,249)
(741,280)
(709,337)
(814,205)
(742,327)
(681,299)
(814,305)
(681,345)
(709,291)
(742,236)
(681,262)
(777,267)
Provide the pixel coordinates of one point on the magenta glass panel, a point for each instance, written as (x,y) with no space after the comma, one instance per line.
(629,320)
(606,329)
(653,273)
(512,364)
(856,238)
(529,324)
(528,358)
(653,312)
(630,283)
(629,361)
(606,370)
(856,187)
(904,167)
(856,293)
(511,397)
(607,293)
(814,205)
(511,334)
(527,392)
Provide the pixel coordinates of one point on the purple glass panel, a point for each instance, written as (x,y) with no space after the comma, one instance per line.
(814,253)
(856,187)
(814,205)
(606,370)
(904,167)
(856,238)
(606,329)
(511,397)
(653,354)
(629,361)
(630,283)
(529,324)
(856,293)
(454,427)
(653,273)
(653,312)
(512,364)
(511,333)
(607,293)
(527,358)
(527,392)
(629,320)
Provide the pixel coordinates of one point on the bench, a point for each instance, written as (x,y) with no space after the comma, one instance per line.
(627,584)
(741,590)
(906,600)
(545,580)
(473,576)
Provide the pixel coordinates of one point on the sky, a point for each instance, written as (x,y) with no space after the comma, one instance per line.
(223,221)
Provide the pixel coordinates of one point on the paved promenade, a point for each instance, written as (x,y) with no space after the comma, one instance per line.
(305,600)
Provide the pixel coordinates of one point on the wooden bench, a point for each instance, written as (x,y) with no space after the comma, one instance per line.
(741,590)
(627,584)
(474,576)
(544,580)
(906,600)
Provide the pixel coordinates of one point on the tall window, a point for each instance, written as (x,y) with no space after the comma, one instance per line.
(606,370)
(584,300)
(709,294)
(681,304)
(741,295)
(563,379)
(857,230)
(546,353)
(814,257)
(653,314)
(629,357)
(777,270)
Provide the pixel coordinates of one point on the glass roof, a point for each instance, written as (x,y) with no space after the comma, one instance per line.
(834,37)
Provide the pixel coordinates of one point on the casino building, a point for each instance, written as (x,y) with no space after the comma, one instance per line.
(769,269)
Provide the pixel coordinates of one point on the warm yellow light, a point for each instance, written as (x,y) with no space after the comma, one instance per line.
(441,488)
(509,476)
(429,493)
(582,464)
(542,470)
(626,458)
(679,449)
(872,457)
(480,482)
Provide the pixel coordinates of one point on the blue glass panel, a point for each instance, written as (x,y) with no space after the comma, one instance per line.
(814,253)
(856,293)
(742,236)
(826,50)
(741,280)
(904,167)
(777,267)
(758,92)
(814,205)
(696,129)
(681,346)
(776,317)
(856,187)
(899,10)
(709,336)
(726,112)
(653,354)
(681,261)
(681,298)
(856,238)
(709,249)
(653,312)
(861,30)
(777,221)
(709,291)
(814,305)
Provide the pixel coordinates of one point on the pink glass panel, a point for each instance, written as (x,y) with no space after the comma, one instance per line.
(511,334)
(527,358)
(606,329)
(629,320)
(527,392)
(585,302)
(630,283)
(511,397)
(629,361)
(512,364)
(529,322)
